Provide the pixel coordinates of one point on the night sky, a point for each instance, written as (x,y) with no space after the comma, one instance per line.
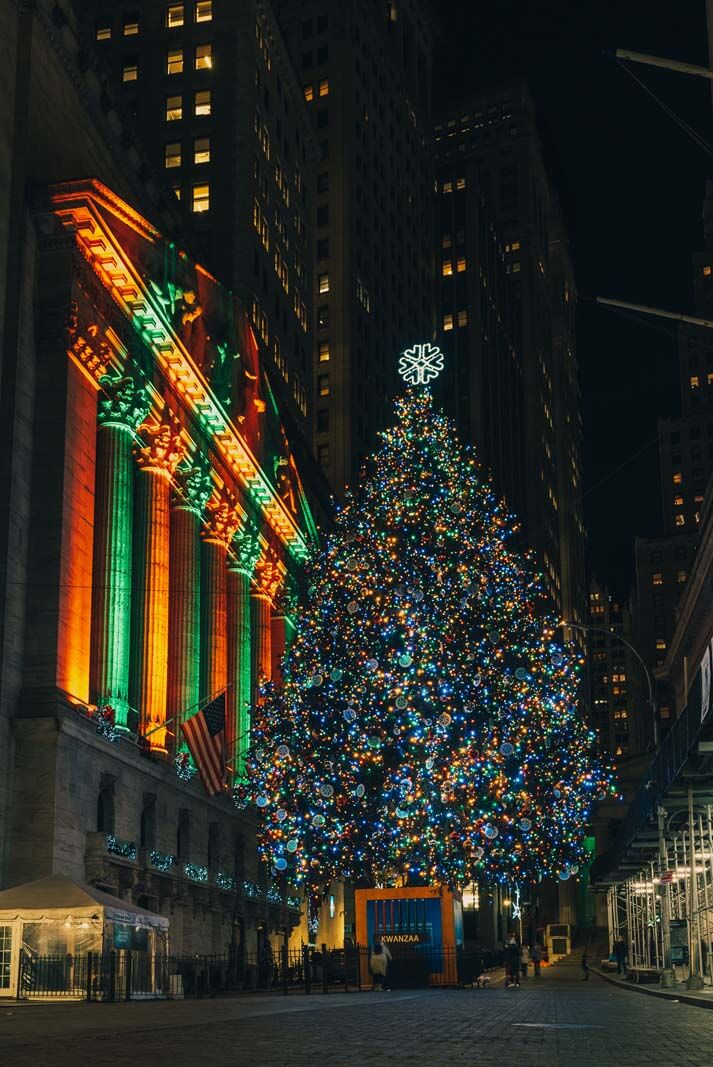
(631,183)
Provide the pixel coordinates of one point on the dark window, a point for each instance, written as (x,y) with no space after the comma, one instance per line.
(323,248)
(323,215)
(105,809)
(307,28)
(322,118)
(323,455)
(148,822)
(324,149)
(183,836)
(322,23)
(323,316)
(323,420)
(306,60)
(323,54)
(323,182)
(214,845)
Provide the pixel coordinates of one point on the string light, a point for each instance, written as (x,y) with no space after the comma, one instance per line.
(427,725)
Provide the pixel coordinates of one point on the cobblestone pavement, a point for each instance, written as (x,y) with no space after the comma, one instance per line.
(560,1021)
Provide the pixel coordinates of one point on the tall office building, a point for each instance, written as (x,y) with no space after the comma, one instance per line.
(686,465)
(489,153)
(216,101)
(365,71)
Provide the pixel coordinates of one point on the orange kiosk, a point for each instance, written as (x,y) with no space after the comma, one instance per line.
(422,926)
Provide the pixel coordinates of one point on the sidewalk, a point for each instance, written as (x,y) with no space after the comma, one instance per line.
(702,998)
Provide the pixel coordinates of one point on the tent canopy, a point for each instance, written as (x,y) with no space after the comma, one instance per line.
(58,897)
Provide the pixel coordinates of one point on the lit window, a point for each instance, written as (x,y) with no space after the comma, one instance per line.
(323,280)
(201,150)
(678,501)
(174,108)
(657,578)
(324,351)
(204,11)
(461,264)
(462,318)
(172,155)
(680,576)
(324,87)
(323,384)
(447,268)
(131,24)
(448,187)
(660,644)
(201,198)
(460,183)
(202,102)
(707,271)
(447,322)
(516,267)
(174,61)
(308,90)
(709,378)
(103,32)
(515,246)
(204,57)
(177,191)
(677,478)
(130,71)
(174,15)
(694,381)
(446,240)
(680,520)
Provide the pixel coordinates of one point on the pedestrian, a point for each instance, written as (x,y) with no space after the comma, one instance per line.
(524,960)
(620,955)
(536,957)
(585,965)
(513,963)
(379,962)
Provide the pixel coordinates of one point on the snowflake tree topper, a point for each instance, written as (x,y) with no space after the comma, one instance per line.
(420,364)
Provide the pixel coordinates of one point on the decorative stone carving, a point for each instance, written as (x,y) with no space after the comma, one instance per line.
(87,345)
(123,401)
(222,518)
(161,446)
(269,576)
(246,550)
(194,483)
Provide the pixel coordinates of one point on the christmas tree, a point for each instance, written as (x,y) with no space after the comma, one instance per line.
(427,726)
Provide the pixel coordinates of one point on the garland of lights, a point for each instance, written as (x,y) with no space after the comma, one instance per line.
(428,725)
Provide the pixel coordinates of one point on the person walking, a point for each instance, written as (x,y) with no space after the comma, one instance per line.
(620,956)
(585,965)
(536,957)
(513,963)
(379,962)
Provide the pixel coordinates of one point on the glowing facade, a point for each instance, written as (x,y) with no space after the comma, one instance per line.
(174,523)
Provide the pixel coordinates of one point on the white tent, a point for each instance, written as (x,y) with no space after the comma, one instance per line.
(59,916)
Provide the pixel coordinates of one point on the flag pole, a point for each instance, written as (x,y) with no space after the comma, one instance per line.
(184,711)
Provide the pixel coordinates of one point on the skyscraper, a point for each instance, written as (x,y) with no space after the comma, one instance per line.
(488,154)
(365,72)
(216,101)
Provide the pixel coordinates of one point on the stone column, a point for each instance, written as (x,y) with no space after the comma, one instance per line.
(245,551)
(121,408)
(192,488)
(268,580)
(158,452)
(221,523)
(282,630)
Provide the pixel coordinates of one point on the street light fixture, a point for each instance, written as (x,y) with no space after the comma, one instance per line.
(612,633)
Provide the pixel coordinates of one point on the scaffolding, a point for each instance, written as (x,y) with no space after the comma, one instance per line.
(664,911)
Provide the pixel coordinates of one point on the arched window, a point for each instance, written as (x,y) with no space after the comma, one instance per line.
(105,806)
(183,836)
(148,821)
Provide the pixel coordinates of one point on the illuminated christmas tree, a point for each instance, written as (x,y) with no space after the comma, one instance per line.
(428,724)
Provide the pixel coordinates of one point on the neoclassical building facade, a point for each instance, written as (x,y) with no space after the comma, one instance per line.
(166,527)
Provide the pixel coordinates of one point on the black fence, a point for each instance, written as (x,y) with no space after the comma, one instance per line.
(124,975)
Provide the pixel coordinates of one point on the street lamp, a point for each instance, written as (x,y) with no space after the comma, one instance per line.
(612,633)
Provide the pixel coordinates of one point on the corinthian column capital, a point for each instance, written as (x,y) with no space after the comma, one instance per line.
(160,446)
(123,401)
(222,518)
(269,575)
(193,483)
(246,549)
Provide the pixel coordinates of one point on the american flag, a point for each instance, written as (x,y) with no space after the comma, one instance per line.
(205,736)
